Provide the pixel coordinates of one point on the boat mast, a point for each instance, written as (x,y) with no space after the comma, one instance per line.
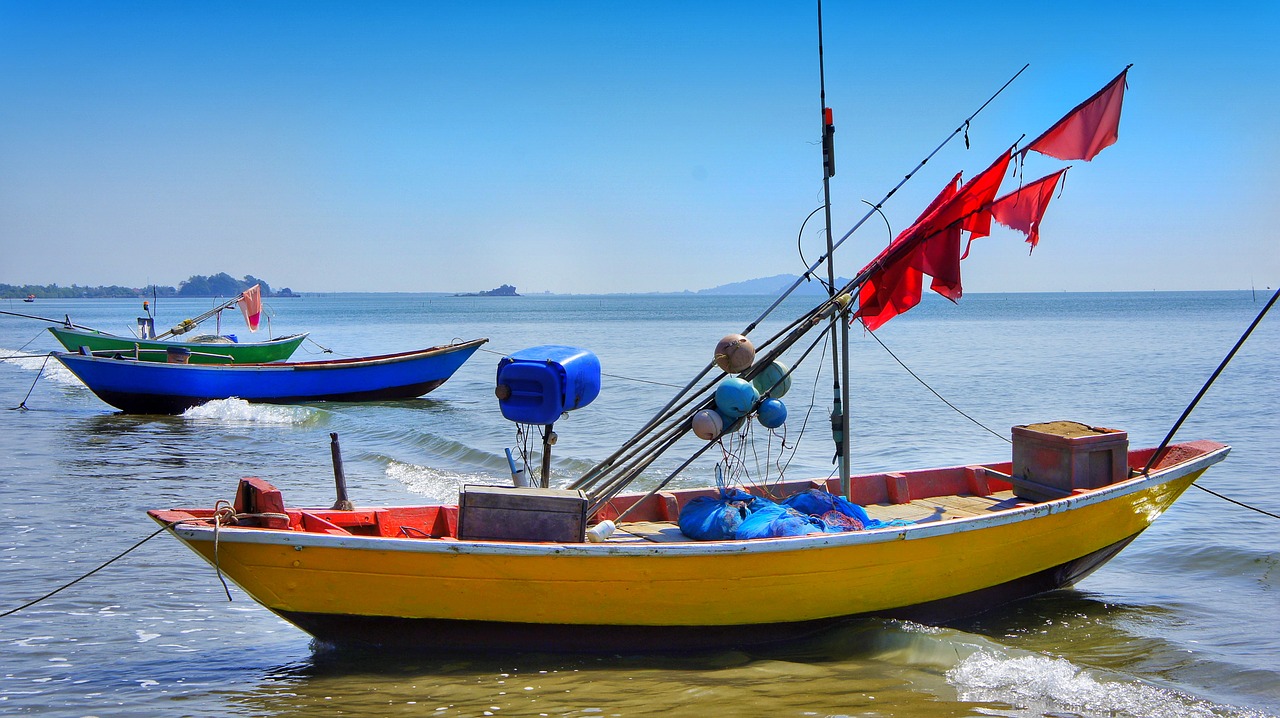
(839,323)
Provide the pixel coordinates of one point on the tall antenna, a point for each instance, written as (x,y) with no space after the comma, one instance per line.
(839,325)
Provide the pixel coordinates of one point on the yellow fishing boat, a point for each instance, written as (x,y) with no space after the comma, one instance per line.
(401,576)
(596,564)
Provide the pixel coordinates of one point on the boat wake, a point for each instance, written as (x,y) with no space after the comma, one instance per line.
(1037,685)
(236,410)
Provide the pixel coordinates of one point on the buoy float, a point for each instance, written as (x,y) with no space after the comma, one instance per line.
(707,424)
(772,413)
(774,380)
(735,353)
(735,397)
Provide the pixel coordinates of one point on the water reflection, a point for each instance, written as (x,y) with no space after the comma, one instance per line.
(857,667)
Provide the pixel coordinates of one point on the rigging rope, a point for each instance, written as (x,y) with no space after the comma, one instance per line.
(612,376)
(931,389)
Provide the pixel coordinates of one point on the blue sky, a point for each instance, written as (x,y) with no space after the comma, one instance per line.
(610,147)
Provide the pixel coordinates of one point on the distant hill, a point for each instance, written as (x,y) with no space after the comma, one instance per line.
(217,285)
(774,286)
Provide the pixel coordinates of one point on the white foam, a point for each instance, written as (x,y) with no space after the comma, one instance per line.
(1041,685)
(442,486)
(53,369)
(238,410)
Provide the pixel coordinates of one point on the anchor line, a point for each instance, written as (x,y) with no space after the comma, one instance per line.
(1237,503)
(23,404)
(29,604)
(16,355)
(1204,389)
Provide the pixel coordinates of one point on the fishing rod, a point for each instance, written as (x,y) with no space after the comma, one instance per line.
(663,412)
(64,322)
(1155,455)
(879,205)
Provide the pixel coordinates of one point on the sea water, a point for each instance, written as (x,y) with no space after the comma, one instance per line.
(1182,623)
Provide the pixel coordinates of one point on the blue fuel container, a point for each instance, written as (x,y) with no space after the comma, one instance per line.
(537,385)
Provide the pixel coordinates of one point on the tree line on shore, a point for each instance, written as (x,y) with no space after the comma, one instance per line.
(198,285)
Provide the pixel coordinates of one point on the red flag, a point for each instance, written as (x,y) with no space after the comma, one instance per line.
(939,256)
(969,205)
(890,292)
(1088,129)
(251,305)
(930,246)
(896,287)
(1024,208)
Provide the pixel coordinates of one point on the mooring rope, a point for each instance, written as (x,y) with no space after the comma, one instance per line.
(39,374)
(99,568)
(1237,503)
(223,513)
(16,355)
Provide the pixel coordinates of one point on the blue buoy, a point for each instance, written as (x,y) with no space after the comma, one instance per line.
(735,397)
(772,413)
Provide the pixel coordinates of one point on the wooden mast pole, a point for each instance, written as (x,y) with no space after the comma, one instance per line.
(839,323)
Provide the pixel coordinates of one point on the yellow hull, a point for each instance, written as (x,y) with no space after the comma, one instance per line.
(731,583)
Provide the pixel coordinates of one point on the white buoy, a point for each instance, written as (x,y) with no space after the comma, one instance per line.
(707,424)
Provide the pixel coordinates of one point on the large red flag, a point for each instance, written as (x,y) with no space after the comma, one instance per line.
(251,305)
(890,292)
(969,205)
(939,256)
(896,287)
(1023,208)
(1085,131)
(930,246)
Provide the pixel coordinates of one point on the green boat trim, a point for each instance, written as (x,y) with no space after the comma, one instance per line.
(272,350)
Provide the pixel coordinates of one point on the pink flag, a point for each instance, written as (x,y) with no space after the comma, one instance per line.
(1088,129)
(251,305)
(1023,208)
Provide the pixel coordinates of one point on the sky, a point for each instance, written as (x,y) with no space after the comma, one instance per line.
(600,147)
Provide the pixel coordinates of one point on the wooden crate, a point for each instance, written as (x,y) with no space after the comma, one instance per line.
(503,513)
(1053,459)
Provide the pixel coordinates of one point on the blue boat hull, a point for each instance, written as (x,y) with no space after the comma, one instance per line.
(139,387)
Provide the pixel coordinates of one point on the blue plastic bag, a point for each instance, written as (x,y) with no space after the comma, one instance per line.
(708,518)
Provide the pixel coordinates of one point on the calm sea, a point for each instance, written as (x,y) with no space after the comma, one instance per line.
(1185,622)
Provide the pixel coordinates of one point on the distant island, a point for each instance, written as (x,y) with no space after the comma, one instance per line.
(774,286)
(505,290)
(198,285)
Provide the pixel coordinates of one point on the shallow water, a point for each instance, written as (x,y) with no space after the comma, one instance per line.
(1182,623)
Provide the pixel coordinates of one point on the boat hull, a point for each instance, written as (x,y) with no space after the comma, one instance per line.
(155,350)
(151,388)
(442,636)
(451,594)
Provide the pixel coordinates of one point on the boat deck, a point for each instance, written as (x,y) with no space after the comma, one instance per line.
(918,511)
